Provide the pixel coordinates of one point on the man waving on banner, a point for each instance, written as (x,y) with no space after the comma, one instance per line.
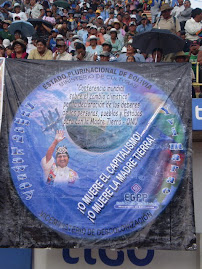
(57,172)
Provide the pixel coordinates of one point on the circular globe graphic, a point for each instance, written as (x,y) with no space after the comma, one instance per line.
(97,152)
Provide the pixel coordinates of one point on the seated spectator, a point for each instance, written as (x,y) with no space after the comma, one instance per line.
(167,21)
(5,34)
(48,17)
(131,33)
(185,14)
(104,56)
(82,54)
(115,42)
(17,13)
(61,52)
(2,51)
(51,43)
(193,54)
(17,34)
(178,9)
(83,33)
(157,56)
(19,50)
(194,25)
(94,48)
(9,51)
(130,59)
(145,26)
(41,52)
(131,52)
(94,31)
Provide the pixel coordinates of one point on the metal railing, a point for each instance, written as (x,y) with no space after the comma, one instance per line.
(196,82)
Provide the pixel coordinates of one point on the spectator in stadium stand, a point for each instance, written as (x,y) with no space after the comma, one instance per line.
(2,51)
(83,33)
(17,13)
(104,56)
(93,31)
(64,29)
(6,5)
(130,59)
(94,19)
(36,10)
(106,46)
(5,34)
(110,20)
(185,14)
(93,48)
(48,17)
(19,50)
(17,34)
(61,52)
(82,54)
(157,56)
(90,15)
(178,9)
(166,21)
(155,9)
(193,53)
(131,33)
(99,22)
(103,12)
(77,22)
(71,21)
(9,51)
(84,3)
(120,31)
(145,26)
(131,52)
(194,25)
(115,42)
(41,52)
(51,43)
(126,19)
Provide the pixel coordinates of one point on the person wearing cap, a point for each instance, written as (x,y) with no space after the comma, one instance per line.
(94,31)
(56,171)
(17,13)
(115,42)
(6,43)
(167,21)
(107,47)
(84,3)
(51,43)
(71,21)
(194,25)
(193,53)
(90,15)
(83,33)
(131,33)
(145,26)
(94,19)
(5,34)
(61,52)
(94,48)
(36,10)
(19,50)
(104,56)
(48,17)
(99,21)
(82,54)
(41,52)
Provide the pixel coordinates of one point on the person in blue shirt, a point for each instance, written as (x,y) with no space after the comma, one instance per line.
(145,26)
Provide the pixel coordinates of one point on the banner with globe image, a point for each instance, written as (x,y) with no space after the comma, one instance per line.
(97,152)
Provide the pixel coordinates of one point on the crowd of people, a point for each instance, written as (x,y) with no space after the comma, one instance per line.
(98,30)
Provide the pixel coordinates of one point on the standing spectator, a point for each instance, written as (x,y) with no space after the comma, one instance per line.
(178,9)
(168,22)
(155,9)
(41,52)
(17,13)
(185,14)
(36,10)
(194,25)
(83,33)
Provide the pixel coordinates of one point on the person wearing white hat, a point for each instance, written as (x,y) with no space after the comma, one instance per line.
(17,14)
(94,48)
(115,42)
(6,43)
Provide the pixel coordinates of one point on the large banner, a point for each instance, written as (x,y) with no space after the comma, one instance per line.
(96,155)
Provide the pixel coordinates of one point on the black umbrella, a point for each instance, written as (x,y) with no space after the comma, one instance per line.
(158,38)
(34,22)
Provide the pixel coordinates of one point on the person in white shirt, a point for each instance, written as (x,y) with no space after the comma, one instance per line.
(36,10)
(177,9)
(194,25)
(61,52)
(56,172)
(17,14)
